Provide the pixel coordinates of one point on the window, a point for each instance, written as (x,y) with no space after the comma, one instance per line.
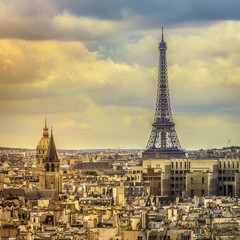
(220,178)
(189,165)
(202,180)
(176,165)
(220,165)
(52,168)
(203,192)
(176,178)
(172,165)
(228,164)
(191,180)
(237,164)
(220,171)
(224,165)
(185,165)
(176,172)
(233,165)
(47,167)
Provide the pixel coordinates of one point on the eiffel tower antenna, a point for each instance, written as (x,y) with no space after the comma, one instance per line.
(163,141)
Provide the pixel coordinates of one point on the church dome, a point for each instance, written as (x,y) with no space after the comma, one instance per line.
(43,143)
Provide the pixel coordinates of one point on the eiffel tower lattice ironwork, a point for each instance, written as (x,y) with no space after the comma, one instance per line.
(163,141)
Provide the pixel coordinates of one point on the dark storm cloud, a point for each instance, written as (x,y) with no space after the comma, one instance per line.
(154,13)
(34,20)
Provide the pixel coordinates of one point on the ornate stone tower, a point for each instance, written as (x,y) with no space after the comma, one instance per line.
(42,147)
(163,141)
(50,177)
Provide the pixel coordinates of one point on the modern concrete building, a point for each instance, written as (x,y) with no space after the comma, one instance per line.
(195,177)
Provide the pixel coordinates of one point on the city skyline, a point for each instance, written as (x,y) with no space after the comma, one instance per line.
(97,85)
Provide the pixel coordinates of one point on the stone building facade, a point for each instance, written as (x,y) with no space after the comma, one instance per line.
(196,177)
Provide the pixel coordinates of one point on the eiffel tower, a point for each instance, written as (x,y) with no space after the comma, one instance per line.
(163,141)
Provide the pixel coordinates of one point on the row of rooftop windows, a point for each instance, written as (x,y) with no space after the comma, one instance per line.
(177,165)
(178,172)
(228,164)
(180,165)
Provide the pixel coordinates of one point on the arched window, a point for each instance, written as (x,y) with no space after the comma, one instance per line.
(52,167)
(47,167)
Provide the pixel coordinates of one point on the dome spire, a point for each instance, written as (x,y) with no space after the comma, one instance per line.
(45,129)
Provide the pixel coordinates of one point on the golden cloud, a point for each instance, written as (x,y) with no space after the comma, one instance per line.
(98,102)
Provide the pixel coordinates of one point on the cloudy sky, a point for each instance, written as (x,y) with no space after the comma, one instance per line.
(90,68)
